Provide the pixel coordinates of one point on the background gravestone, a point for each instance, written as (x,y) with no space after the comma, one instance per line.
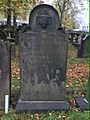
(3,35)
(83,51)
(4,72)
(43,59)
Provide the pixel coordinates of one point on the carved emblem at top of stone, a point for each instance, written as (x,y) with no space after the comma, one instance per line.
(43,19)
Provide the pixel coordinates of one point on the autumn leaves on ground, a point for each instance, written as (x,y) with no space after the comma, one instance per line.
(77,84)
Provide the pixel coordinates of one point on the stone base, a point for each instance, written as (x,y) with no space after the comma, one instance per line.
(81,103)
(41,106)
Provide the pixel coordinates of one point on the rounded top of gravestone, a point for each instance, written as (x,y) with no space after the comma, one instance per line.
(44,17)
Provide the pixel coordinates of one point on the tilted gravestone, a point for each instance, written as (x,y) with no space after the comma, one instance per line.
(4,72)
(83,51)
(43,60)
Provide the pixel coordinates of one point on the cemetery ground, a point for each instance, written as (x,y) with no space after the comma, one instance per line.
(76,85)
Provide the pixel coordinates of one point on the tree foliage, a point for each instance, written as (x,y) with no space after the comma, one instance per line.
(67,11)
(16,8)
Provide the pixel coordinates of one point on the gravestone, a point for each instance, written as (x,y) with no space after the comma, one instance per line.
(11,39)
(24,27)
(3,35)
(43,60)
(4,72)
(83,51)
(74,37)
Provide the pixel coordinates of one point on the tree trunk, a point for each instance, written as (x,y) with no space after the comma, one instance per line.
(9,13)
(9,17)
(14,20)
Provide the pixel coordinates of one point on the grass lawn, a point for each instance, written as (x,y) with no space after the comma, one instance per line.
(77,84)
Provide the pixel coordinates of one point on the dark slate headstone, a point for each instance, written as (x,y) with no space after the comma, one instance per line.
(4,72)
(12,34)
(3,35)
(43,60)
(24,27)
(83,51)
(81,103)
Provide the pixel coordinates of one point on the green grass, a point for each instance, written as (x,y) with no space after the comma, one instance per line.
(72,56)
(71,115)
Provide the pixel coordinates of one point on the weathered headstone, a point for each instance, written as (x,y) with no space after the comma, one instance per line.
(3,35)
(83,51)
(4,72)
(43,59)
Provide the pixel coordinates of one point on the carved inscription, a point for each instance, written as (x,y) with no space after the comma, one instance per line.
(42,59)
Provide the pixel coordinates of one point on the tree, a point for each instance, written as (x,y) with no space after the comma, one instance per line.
(67,12)
(5,7)
(16,8)
(24,6)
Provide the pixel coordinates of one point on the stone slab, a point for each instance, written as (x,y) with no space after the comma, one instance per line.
(39,62)
(4,72)
(41,106)
(81,103)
